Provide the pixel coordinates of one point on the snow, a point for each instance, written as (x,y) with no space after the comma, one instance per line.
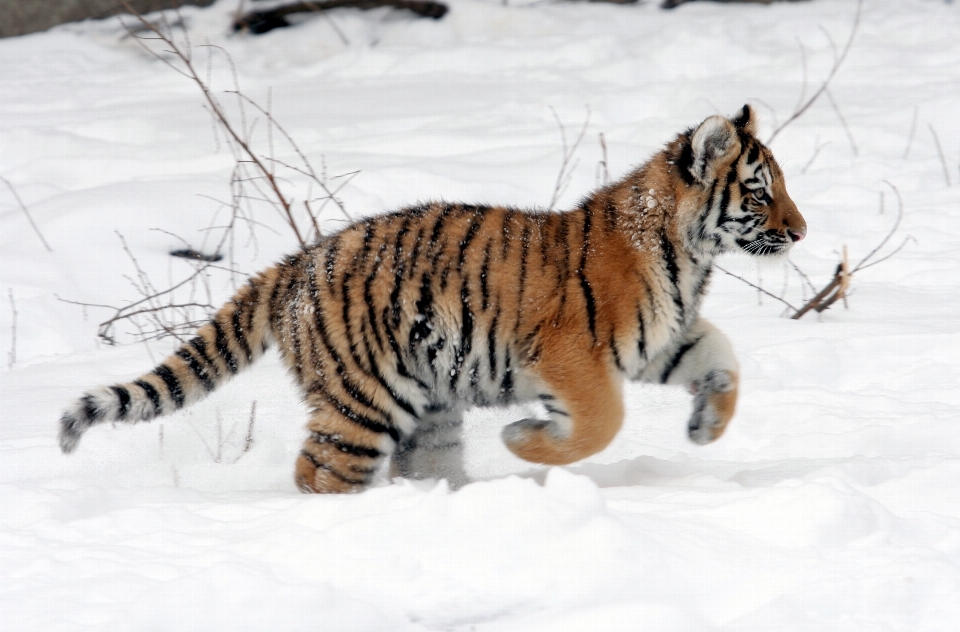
(830,504)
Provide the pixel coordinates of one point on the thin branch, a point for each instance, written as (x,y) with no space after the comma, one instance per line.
(913,129)
(248,442)
(843,121)
(755,286)
(838,61)
(816,152)
(804,276)
(603,172)
(943,161)
(12,354)
(566,168)
(27,213)
(893,229)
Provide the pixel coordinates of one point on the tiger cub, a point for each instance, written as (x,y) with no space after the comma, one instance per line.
(398,323)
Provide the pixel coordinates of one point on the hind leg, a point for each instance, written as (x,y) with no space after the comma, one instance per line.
(434,449)
(342,454)
(704,363)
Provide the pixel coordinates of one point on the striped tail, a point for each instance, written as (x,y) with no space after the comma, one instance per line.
(236,336)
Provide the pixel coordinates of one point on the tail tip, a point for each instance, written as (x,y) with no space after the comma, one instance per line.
(71,429)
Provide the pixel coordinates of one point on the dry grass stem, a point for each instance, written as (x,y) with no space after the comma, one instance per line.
(837,63)
(26,212)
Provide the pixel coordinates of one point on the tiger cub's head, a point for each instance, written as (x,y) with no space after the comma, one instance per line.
(735,198)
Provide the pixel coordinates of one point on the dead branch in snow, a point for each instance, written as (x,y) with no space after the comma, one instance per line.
(943,160)
(253,168)
(567,164)
(839,285)
(26,212)
(161,310)
(248,441)
(603,171)
(838,60)
(257,177)
(258,22)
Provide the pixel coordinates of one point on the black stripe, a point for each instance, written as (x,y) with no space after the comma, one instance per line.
(610,212)
(173,384)
(546,397)
(239,334)
(198,371)
(395,348)
(701,286)
(675,360)
(293,307)
(200,346)
(362,420)
(123,399)
(91,411)
(152,395)
(754,153)
(352,389)
(505,235)
(223,348)
(616,353)
(506,386)
(466,336)
(584,284)
(492,345)
(252,302)
(685,161)
(556,411)
(472,230)
(345,447)
(642,340)
(673,271)
(323,466)
(484,273)
(399,262)
(524,249)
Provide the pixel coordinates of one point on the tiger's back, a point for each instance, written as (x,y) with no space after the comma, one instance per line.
(398,323)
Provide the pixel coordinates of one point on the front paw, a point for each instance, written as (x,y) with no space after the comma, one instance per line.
(532,439)
(713,406)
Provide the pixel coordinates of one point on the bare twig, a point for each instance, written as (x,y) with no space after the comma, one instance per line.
(27,213)
(603,171)
(843,121)
(239,137)
(913,129)
(12,354)
(838,287)
(943,161)
(837,62)
(566,167)
(816,152)
(755,286)
(248,442)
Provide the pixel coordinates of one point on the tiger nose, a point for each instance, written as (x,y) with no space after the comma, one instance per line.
(797,235)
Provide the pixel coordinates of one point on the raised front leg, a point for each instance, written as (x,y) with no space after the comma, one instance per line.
(434,449)
(582,395)
(704,363)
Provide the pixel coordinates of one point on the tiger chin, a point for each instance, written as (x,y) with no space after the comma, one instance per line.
(397,324)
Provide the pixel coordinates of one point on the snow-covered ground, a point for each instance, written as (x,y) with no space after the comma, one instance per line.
(832,502)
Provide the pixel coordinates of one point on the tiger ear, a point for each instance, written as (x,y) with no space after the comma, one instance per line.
(714,141)
(746,120)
